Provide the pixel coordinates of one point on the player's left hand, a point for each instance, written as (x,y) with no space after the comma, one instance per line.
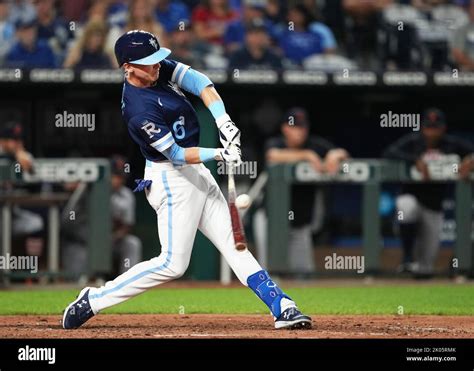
(229,134)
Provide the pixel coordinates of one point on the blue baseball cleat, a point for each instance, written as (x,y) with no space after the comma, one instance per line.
(293,319)
(78,312)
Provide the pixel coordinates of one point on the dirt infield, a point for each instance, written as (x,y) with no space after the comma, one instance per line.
(238,326)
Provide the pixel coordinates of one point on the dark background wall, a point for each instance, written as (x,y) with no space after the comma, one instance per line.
(347,116)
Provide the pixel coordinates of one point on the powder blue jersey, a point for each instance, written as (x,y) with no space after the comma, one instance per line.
(160,115)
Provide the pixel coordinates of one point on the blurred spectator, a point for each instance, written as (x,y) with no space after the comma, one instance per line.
(187,49)
(21,9)
(276,11)
(463,43)
(427,5)
(396,50)
(293,146)
(211,19)
(7,30)
(117,11)
(74,10)
(419,206)
(12,148)
(28,51)
(305,38)
(113,12)
(89,50)
(52,28)
(75,231)
(312,7)
(98,11)
(235,33)
(140,17)
(256,53)
(127,248)
(361,24)
(171,13)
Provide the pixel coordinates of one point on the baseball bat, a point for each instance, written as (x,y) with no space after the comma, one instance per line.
(237,229)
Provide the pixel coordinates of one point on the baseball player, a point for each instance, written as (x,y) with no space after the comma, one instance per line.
(178,186)
(127,248)
(421,203)
(12,148)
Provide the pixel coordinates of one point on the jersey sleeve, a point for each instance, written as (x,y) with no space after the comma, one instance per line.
(172,71)
(328,39)
(152,129)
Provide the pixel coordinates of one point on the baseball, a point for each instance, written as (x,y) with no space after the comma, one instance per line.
(243,201)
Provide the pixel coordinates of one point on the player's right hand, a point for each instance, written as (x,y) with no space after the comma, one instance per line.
(231,155)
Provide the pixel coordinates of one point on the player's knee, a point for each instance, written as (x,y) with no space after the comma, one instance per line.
(408,208)
(178,269)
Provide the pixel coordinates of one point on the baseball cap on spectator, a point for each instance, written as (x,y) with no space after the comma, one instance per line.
(257,24)
(23,23)
(296,116)
(258,4)
(11,130)
(117,165)
(433,118)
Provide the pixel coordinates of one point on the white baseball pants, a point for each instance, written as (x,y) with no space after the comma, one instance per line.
(185,198)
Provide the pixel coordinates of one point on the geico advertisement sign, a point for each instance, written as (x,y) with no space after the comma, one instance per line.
(440,167)
(353,171)
(63,172)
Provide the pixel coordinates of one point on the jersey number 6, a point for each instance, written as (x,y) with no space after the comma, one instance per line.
(178,128)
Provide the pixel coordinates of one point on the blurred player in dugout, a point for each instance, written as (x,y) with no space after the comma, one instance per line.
(25,223)
(126,248)
(420,205)
(295,145)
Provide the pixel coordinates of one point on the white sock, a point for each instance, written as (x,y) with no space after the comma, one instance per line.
(286,303)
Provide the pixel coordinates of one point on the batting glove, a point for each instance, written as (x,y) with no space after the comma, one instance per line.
(232,155)
(142,184)
(229,133)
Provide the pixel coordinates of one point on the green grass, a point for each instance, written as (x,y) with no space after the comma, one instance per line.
(438,300)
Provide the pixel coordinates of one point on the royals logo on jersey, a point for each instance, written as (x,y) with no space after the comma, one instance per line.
(150,128)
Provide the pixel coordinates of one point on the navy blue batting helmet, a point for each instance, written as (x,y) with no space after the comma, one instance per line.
(139,47)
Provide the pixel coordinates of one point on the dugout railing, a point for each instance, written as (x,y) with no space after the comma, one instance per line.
(370,174)
(92,172)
